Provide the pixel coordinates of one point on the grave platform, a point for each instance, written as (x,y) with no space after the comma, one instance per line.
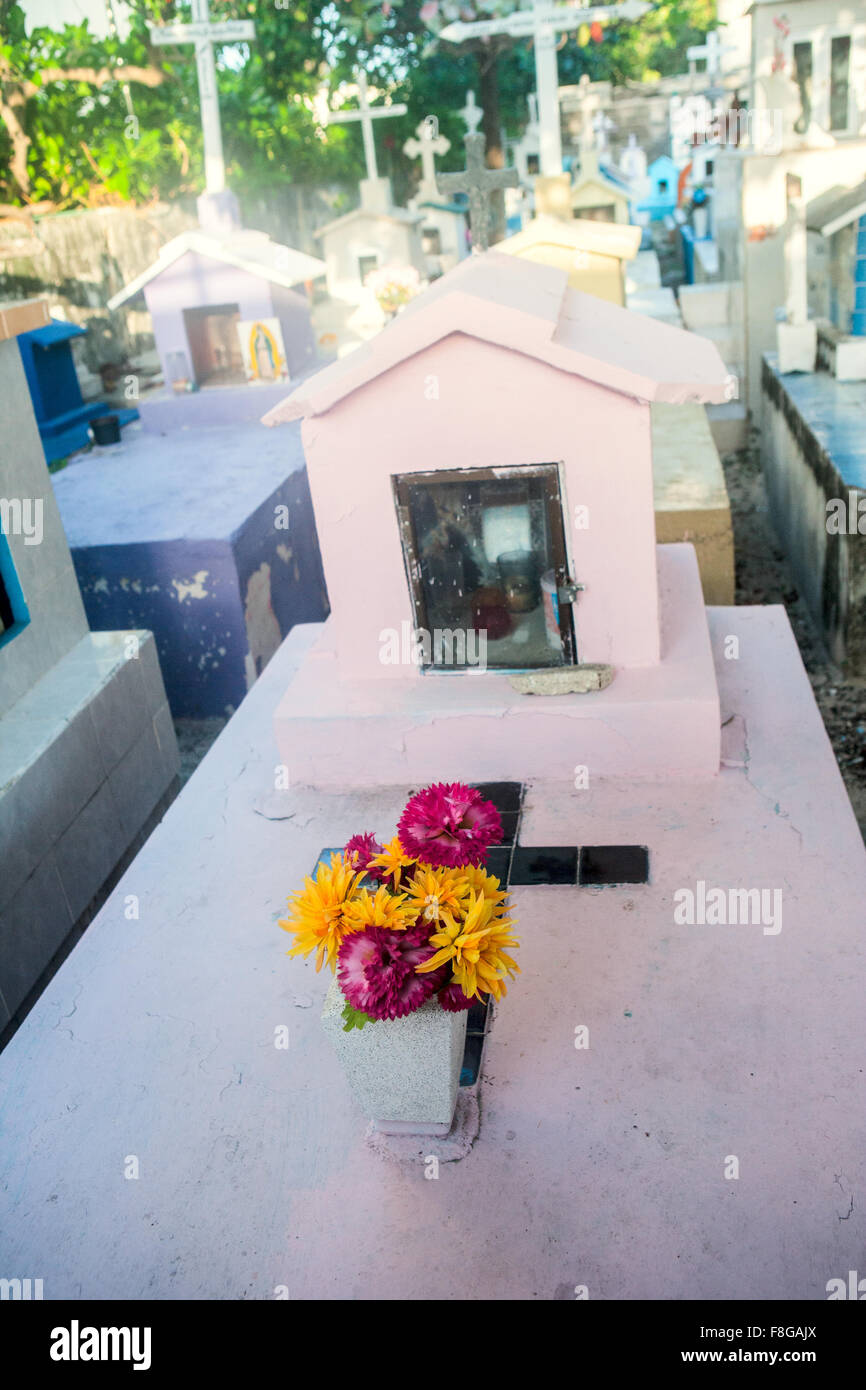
(176,530)
(653,721)
(814,453)
(690,494)
(602,1167)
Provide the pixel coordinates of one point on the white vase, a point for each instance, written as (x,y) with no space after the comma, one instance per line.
(404,1073)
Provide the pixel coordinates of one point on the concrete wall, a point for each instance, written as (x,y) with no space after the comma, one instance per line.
(87,257)
(810,458)
(87,747)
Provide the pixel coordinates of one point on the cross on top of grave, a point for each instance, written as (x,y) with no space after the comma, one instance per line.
(478,183)
(601,124)
(428,144)
(711,50)
(205,36)
(367,114)
(471,113)
(541,22)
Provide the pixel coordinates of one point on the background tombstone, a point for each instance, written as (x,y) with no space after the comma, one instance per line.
(88,757)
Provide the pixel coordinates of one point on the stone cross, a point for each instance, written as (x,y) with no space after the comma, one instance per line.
(601,124)
(205,36)
(478,182)
(541,21)
(428,144)
(471,113)
(367,114)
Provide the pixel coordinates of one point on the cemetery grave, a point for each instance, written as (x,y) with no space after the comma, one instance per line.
(506,658)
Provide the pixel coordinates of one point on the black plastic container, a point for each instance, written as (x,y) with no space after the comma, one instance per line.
(106,429)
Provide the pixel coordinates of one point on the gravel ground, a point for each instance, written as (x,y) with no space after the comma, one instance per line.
(763,576)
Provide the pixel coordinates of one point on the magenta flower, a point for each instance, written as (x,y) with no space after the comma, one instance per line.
(449,825)
(376,970)
(453,1000)
(360,850)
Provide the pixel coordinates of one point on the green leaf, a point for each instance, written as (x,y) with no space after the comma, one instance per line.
(354,1018)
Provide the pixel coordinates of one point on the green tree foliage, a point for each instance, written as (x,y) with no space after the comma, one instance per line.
(87,120)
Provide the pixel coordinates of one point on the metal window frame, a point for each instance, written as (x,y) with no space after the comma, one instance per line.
(550,474)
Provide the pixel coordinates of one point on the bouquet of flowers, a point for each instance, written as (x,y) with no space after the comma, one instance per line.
(393,286)
(415,918)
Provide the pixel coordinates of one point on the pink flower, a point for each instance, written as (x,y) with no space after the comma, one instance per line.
(360,850)
(429,10)
(449,825)
(453,999)
(376,970)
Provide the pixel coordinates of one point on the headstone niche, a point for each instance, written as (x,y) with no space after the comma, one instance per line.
(87,748)
(499,606)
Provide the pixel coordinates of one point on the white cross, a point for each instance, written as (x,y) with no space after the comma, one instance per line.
(541,22)
(367,114)
(205,36)
(601,124)
(428,144)
(712,50)
(471,113)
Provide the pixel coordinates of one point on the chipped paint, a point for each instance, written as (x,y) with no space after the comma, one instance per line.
(284,552)
(263,630)
(192,589)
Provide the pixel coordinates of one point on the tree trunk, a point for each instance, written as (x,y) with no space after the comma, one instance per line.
(491,125)
(488,82)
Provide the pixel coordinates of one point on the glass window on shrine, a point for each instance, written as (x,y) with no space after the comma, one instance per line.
(533,164)
(486,564)
(840,61)
(365,265)
(431,241)
(13,610)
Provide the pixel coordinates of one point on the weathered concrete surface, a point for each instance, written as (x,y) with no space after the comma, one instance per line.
(203,534)
(690,494)
(814,454)
(602,1167)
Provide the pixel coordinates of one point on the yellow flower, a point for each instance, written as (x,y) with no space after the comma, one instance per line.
(316,912)
(392,859)
(379,909)
(475,949)
(487,885)
(437,894)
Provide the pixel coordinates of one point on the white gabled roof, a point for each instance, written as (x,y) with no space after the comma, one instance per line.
(250,251)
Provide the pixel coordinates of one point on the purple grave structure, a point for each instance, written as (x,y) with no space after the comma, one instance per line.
(198,527)
(228,305)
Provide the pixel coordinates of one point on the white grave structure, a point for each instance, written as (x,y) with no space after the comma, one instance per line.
(376,234)
(443,231)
